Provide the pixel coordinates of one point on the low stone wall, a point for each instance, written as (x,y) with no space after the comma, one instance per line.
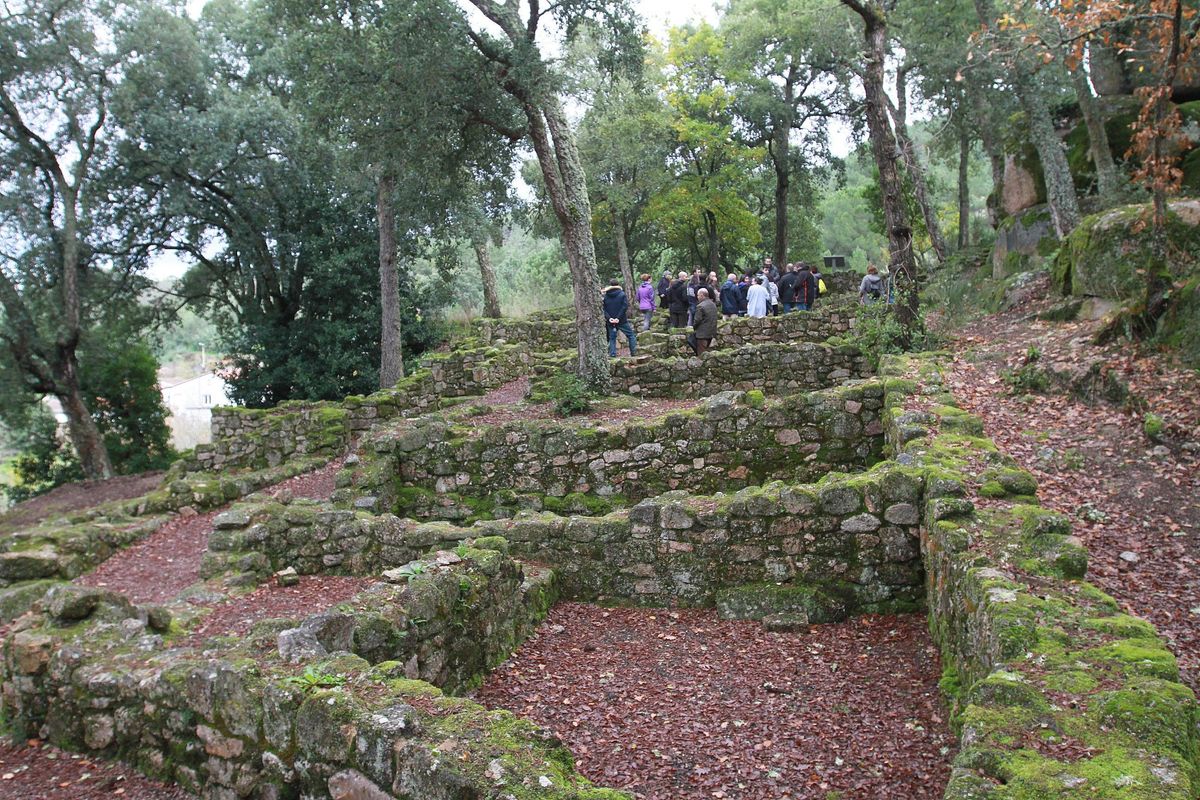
(777,369)
(1056,692)
(847,544)
(257,438)
(435,469)
(733,332)
(91,674)
(540,333)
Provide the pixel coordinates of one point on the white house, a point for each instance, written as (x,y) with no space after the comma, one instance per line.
(190,403)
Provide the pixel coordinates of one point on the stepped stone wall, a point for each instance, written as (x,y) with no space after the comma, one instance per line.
(91,673)
(440,469)
(1057,693)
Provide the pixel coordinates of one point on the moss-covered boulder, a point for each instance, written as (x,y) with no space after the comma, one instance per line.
(1108,254)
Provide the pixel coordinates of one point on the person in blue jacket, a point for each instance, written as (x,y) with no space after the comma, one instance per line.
(616,315)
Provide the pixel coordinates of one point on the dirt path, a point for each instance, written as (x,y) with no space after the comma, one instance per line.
(1132,501)
(168,561)
(38,771)
(681,705)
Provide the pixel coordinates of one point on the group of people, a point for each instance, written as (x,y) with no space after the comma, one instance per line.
(692,301)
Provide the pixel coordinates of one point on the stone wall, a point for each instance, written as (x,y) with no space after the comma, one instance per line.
(845,545)
(92,674)
(435,469)
(1056,692)
(834,319)
(541,333)
(256,438)
(777,369)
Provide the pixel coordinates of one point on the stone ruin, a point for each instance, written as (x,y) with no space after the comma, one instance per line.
(800,487)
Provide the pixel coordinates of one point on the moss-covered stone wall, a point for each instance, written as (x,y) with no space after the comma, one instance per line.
(777,369)
(437,468)
(835,318)
(1056,693)
(256,438)
(96,674)
(847,544)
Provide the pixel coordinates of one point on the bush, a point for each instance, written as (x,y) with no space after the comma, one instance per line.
(877,333)
(569,395)
(45,460)
(1152,426)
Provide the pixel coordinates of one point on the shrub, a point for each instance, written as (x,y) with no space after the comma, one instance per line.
(569,395)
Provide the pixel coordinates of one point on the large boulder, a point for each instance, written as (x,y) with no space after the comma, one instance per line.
(1108,254)
(1022,242)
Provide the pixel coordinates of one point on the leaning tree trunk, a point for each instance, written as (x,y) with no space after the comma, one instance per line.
(1060,186)
(81,428)
(487,274)
(391,362)
(623,253)
(964,186)
(85,436)
(1108,183)
(916,172)
(562,170)
(884,151)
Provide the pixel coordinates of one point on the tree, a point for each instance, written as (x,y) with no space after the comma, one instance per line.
(59,65)
(519,68)
(784,65)
(873,14)
(401,90)
(704,212)
(898,111)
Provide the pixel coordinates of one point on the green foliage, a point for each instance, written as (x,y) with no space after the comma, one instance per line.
(1152,426)
(1029,378)
(121,389)
(569,395)
(313,679)
(44,461)
(878,332)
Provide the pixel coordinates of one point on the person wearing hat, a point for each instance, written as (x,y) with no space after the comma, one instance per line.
(616,313)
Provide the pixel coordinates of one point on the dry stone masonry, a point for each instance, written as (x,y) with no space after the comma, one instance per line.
(732,504)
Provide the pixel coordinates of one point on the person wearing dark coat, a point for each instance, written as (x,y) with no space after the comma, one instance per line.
(743,295)
(704,324)
(664,285)
(806,288)
(729,296)
(677,301)
(616,314)
(787,289)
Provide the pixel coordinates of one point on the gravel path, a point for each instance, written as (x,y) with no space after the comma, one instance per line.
(680,704)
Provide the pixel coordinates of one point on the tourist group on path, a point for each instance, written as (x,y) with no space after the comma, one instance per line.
(693,302)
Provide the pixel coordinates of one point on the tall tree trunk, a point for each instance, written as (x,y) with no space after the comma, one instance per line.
(623,253)
(85,436)
(783,179)
(883,148)
(1060,186)
(558,157)
(1158,280)
(391,361)
(487,273)
(964,185)
(916,172)
(1108,182)
(713,238)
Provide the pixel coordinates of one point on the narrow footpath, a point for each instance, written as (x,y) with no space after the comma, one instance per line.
(1132,500)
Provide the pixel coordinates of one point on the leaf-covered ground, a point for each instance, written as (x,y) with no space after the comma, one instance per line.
(677,704)
(1133,500)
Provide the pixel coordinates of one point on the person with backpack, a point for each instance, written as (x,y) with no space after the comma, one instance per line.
(871,288)
(677,301)
(729,296)
(816,273)
(806,288)
(616,310)
(645,298)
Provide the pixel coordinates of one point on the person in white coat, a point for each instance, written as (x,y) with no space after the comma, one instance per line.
(758,299)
